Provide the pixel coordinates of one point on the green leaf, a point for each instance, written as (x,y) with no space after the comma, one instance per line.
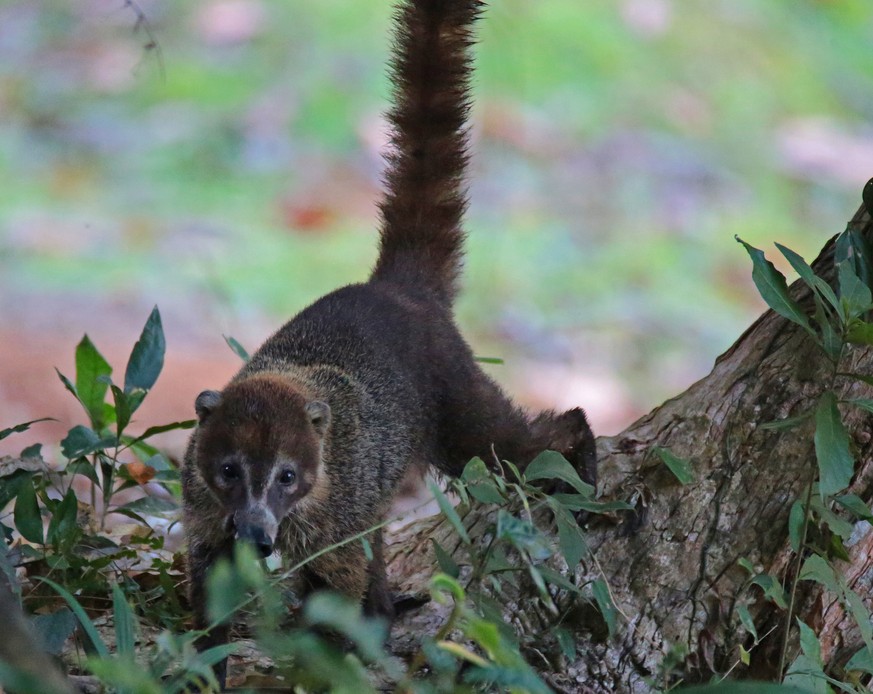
(567,643)
(853,246)
(859,613)
(570,539)
(863,403)
(551,465)
(125,636)
(344,616)
(489,360)
(81,441)
(806,674)
(796,520)
(225,591)
(787,423)
(747,565)
(237,348)
(54,629)
(747,621)
(680,467)
(444,559)
(855,505)
(480,484)
(123,409)
(523,535)
(577,502)
(862,660)
(860,333)
(831,341)
(859,377)
(62,526)
(815,568)
(809,642)
(162,428)
(91,373)
(26,515)
(773,289)
(87,626)
(854,294)
(18,428)
(605,604)
(557,579)
(84,468)
(147,358)
(149,504)
(835,462)
(867,196)
(773,590)
(802,268)
(449,512)
(743,688)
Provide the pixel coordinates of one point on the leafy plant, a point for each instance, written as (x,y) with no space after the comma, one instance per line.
(839,321)
(65,542)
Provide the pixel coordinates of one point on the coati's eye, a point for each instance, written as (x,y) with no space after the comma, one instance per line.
(230,472)
(287,477)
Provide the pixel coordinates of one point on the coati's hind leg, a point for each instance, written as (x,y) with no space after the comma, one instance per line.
(490,425)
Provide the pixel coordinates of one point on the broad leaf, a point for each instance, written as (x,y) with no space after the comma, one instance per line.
(773,288)
(815,568)
(26,515)
(680,467)
(62,526)
(856,505)
(147,358)
(96,641)
(802,268)
(444,559)
(604,602)
(123,409)
(796,521)
(81,441)
(854,294)
(54,629)
(92,370)
(551,465)
(570,539)
(835,462)
(449,512)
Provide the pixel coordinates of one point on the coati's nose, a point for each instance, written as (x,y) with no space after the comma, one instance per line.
(257,537)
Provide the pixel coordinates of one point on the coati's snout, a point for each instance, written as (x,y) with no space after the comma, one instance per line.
(256,526)
(259,448)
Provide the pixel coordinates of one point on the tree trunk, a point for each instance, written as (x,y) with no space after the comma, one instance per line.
(672,567)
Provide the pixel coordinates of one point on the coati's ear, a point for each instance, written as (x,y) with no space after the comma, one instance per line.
(319,415)
(207,401)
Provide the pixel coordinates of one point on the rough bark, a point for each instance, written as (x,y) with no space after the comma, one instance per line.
(672,567)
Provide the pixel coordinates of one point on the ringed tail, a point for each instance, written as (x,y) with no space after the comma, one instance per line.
(421,234)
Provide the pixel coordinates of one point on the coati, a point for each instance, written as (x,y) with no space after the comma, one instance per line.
(308,442)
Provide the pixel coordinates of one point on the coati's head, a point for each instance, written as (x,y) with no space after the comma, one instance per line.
(259,448)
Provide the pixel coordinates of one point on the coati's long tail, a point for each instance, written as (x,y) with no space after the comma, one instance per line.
(421,234)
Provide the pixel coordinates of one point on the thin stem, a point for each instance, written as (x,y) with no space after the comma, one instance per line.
(800,550)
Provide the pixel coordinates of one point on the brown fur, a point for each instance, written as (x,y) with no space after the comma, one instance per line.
(372,378)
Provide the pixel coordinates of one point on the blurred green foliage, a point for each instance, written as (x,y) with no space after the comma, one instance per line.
(619,146)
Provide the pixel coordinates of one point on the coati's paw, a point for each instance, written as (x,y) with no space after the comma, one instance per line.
(578,445)
(570,435)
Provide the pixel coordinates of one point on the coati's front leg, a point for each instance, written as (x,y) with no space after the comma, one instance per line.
(346,570)
(201,557)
